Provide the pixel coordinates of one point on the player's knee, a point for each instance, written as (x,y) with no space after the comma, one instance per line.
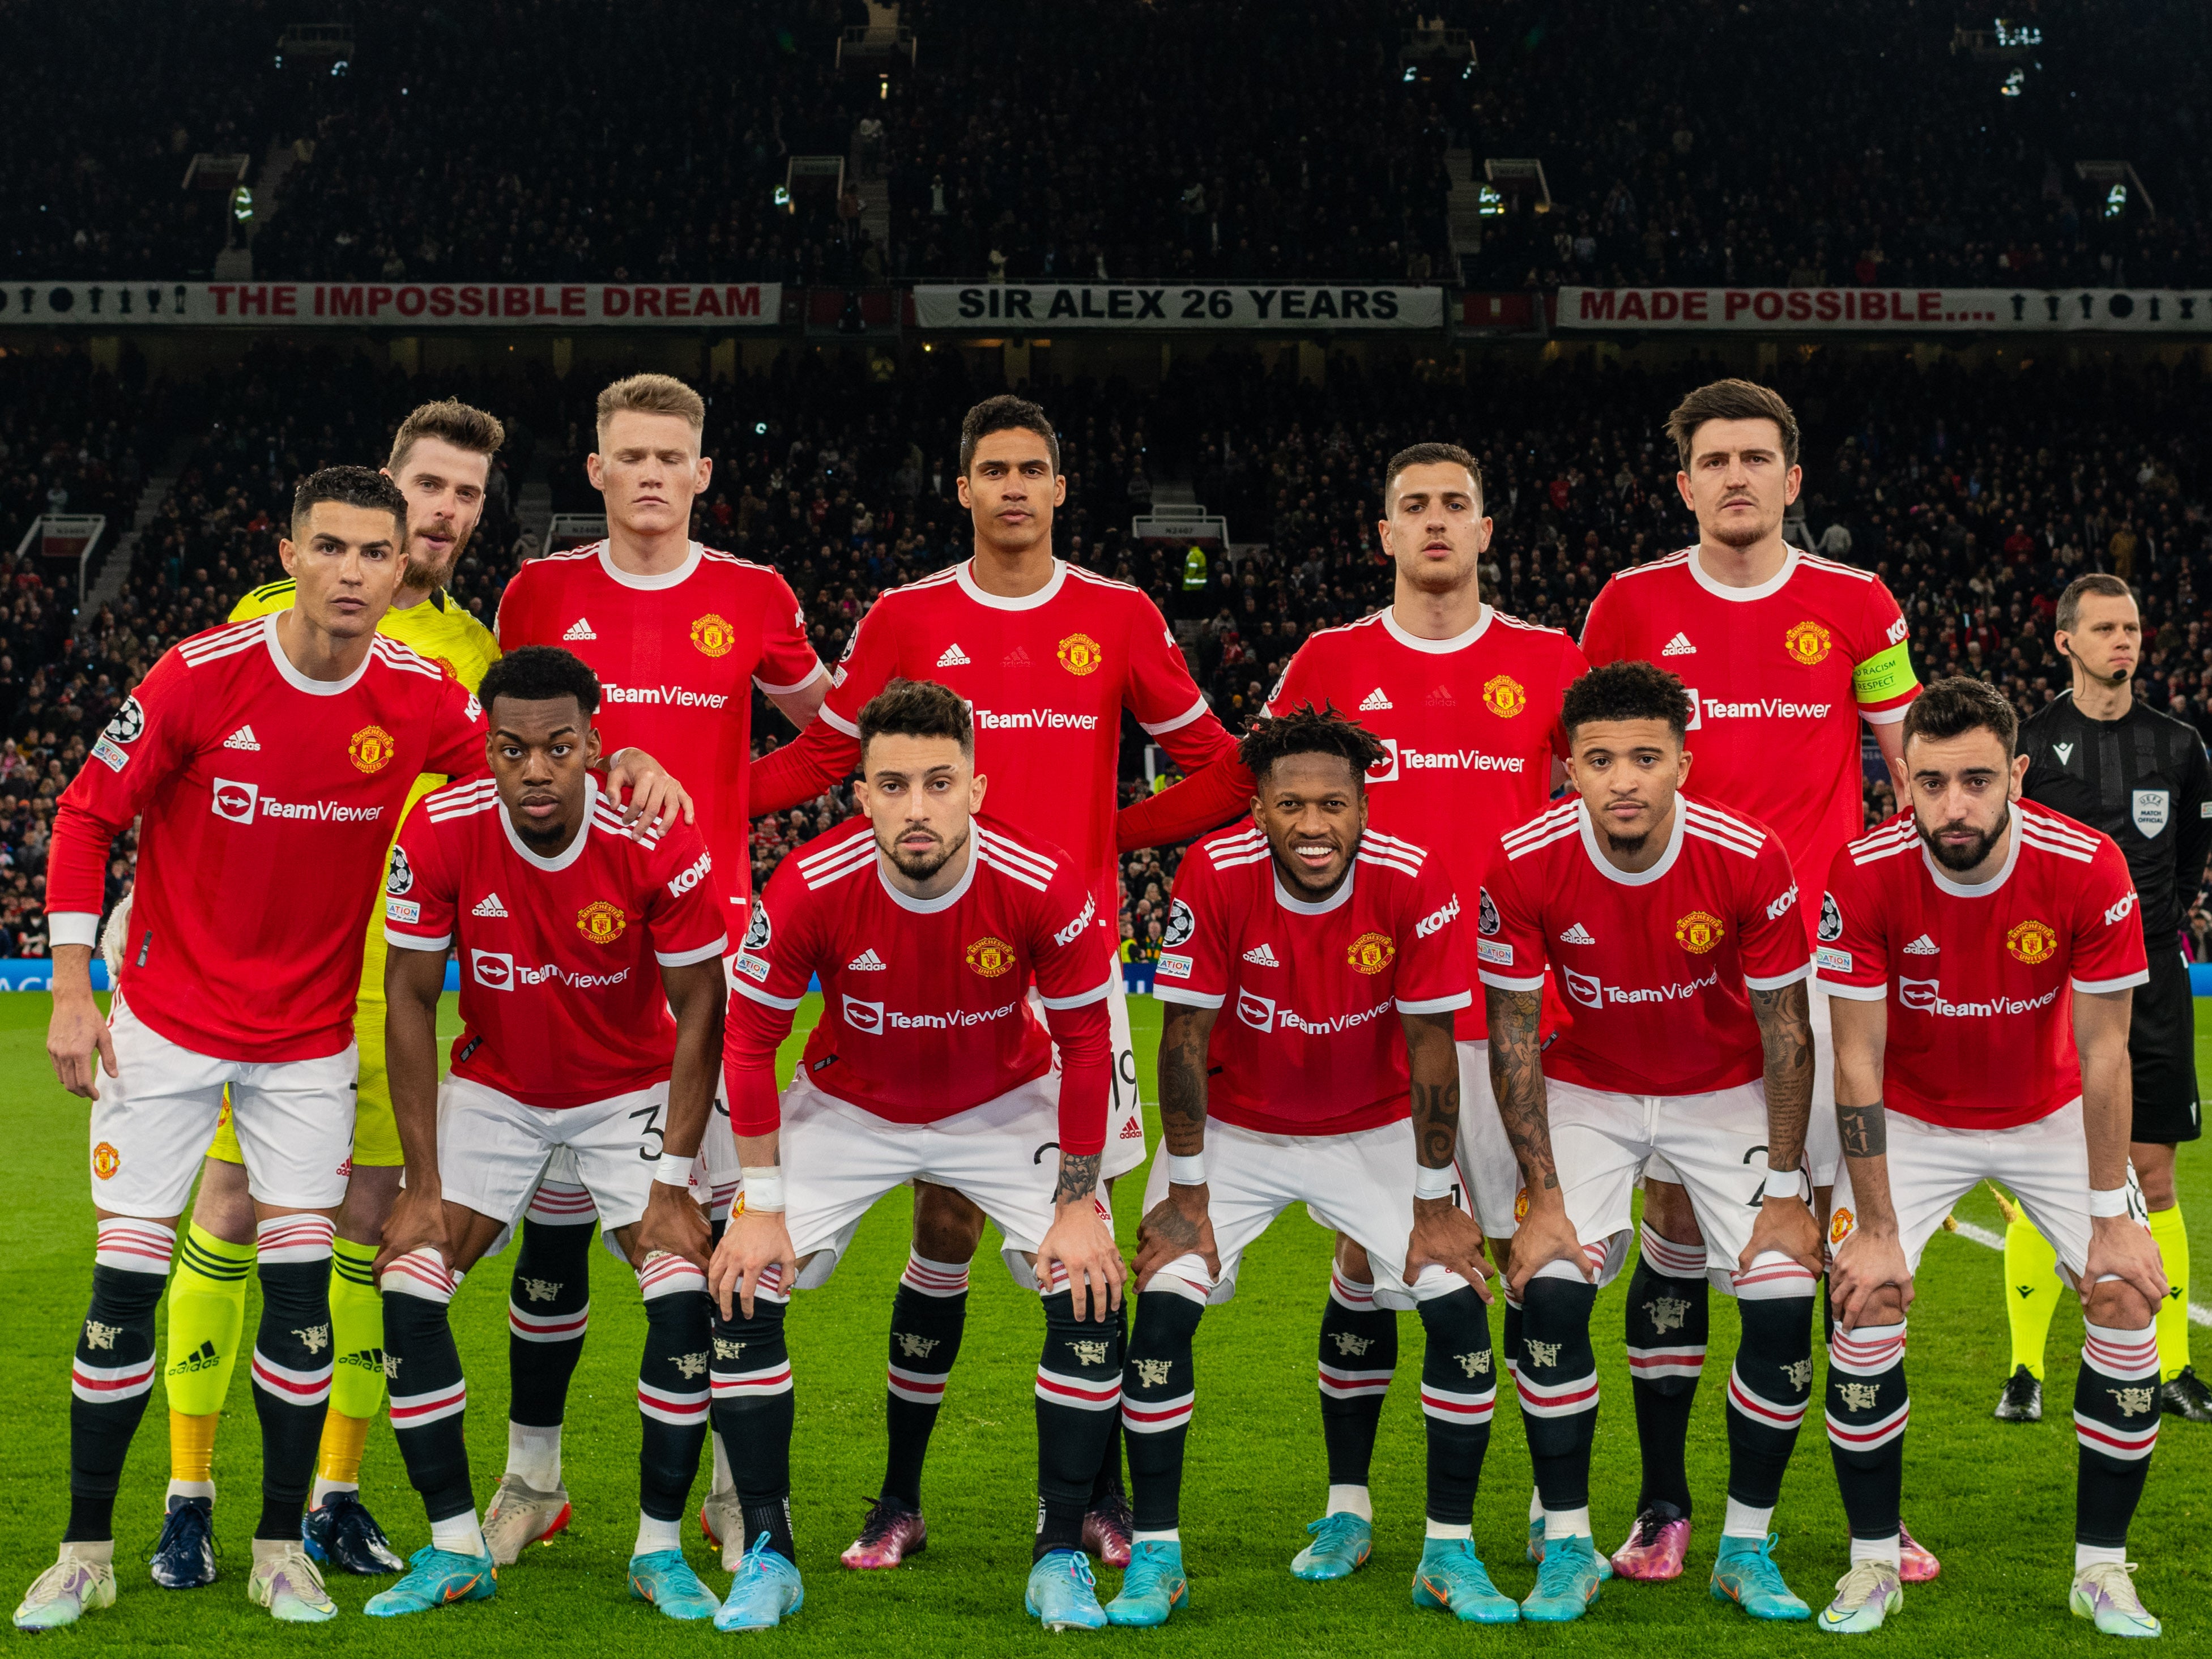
(1667,1212)
(1352,1260)
(1082,1348)
(1457,1324)
(370,1191)
(947,1227)
(2117,1306)
(2153,1163)
(1555,1315)
(224,1206)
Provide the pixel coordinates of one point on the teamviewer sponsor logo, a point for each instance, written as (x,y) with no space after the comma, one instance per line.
(866,1016)
(494,970)
(1587,989)
(236,801)
(1257,1012)
(1400,758)
(1926,996)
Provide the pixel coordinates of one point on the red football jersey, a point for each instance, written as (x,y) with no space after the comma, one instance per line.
(1048,677)
(1657,965)
(267,801)
(560,999)
(1979,979)
(924,1003)
(1471,725)
(678,658)
(1779,677)
(1314,1048)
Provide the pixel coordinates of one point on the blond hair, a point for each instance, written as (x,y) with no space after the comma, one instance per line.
(652,394)
(459,424)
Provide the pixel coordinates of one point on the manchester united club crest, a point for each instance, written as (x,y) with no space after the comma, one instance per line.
(712,636)
(1080,655)
(1698,931)
(1840,1225)
(106,1161)
(601,922)
(1504,697)
(1370,953)
(372,749)
(990,956)
(1807,642)
(1521,1204)
(2032,942)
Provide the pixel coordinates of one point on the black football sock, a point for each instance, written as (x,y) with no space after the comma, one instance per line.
(1772,1381)
(429,1395)
(1668,1315)
(754,1411)
(111,1375)
(1079,1387)
(928,1314)
(1359,1355)
(1459,1388)
(1557,1379)
(1109,1483)
(549,1306)
(293,1363)
(673,1395)
(1868,1406)
(1159,1386)
(2116,1415)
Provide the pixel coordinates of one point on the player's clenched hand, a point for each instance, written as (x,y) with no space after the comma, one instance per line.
(417,1222)
(1546,1234)
(77,1031)
(1449,1237)
(1868,1264)
(655,798)
(674,1223)
(2120,1246)
(1788,1227)
(1178,1225)
(755,1247)
(1082,1242)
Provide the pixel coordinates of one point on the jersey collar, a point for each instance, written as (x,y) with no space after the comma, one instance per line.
(1298,906)
(1944,884)
(648,584)
(1767,589)
(1436,647)
(569,854)
(298,682)
(944,900)
(1604,865)
(1044,595)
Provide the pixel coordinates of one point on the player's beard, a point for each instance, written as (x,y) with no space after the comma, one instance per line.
(923,868)
(1960,860)
(1745,535)
(427,575)
(1627,846)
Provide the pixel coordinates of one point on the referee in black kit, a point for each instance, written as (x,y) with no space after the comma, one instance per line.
(2101,756)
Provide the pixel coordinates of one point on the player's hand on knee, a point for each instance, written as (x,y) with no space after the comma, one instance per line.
(1869,1281)
(672,1223)
(1546,1234)
(77,1031)
(1180,1224)
(756,1249)
(417,1222)
(1082,1244)
(1788,1227)
(1446,1235)
(2122,1249)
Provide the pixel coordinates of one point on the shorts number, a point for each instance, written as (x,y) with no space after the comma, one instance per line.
(652,1115)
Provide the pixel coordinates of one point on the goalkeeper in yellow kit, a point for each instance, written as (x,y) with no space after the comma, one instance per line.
(441,459)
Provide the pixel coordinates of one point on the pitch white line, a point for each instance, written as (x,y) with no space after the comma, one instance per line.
(2198,1313)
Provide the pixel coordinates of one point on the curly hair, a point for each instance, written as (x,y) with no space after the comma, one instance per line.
(1309,731)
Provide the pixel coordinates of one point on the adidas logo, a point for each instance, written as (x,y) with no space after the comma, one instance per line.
(1577,934)
(954,657)
(1261,957)
(242,738)
(1017,657)
(1374,699)
(488,905)
(867,962)
(1133,1130)
(1679,645)
(582,630)
(201,1358)
(368,1359)
(1441,697)
(1923,946)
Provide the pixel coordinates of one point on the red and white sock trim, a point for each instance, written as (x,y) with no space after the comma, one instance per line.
(1186,1277)
(918,1387)
(1350,1293)
(1557,1398)
(750,1385)
(1058,1388)
(771,1286)
(1650,1364)
(1337,1383)
(685,1410)
(419,1272)
(1773,1277)
(1448,1406)
(294,1238)
(2130,1445)
(416,1411)
(560,1205)
(1153,1416)
(134,1246)
(2123,1355)
(938,1279)
(547,1327)
(1868,1351)
(293,1388)
(665,1274)
(1760,1409)
(1865,1436)
(107,1385)
(1669,1260)
(1594,1254)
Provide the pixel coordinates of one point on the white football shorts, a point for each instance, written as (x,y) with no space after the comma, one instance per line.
(1125,1109)
(1485,1155)
(493,1150)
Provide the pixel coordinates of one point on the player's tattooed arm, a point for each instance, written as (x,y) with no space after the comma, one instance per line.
(1432,1061)
(1785,1030)
(1078,1177)
(1516,1078)
(1863,1130)
(1184,1032)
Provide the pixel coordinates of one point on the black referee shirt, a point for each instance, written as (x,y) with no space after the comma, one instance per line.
(2141,779)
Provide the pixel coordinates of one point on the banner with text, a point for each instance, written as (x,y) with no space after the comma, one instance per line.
(1045,307)
(1909,310)
(394,305)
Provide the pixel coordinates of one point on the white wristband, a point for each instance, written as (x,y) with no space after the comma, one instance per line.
(1187,1171)
(1785,1183)
(671,1170)
(764,1189)
(2108,1201)
(1434,1183)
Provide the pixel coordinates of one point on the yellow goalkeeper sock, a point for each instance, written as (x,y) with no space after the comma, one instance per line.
(191,1447)
(356,1332)
(2031,1289)
(2172,1240)
(207,1312)
(339,1461)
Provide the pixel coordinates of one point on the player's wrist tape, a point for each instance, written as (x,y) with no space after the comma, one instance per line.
(1187,1171)
(2108,1201)
(1434,1183)
(1785,1183)
(671,1170)
(763,1188)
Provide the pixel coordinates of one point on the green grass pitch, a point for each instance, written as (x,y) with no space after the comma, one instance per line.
(1996,1501)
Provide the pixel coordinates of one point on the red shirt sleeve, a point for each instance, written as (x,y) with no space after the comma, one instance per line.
(1072,979)
(152,736)
(770,973)
(1604,638)
(458,732)
(1771,933)
(2108,935)
(787,662)
(683,914)
(1852,955)
(512,624)
(1196,958)
(825,753)
(1509,923)
(419,888)
(1160,692)
(1209,798)
(1432,973)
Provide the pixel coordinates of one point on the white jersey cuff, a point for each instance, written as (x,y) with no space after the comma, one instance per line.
(685,958)
(1836,988)
(415,941)
(1178,722)
(2099,986)
(1188,999)
(1760,983)
(1436,1004)
(1081,999)
(73,927)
